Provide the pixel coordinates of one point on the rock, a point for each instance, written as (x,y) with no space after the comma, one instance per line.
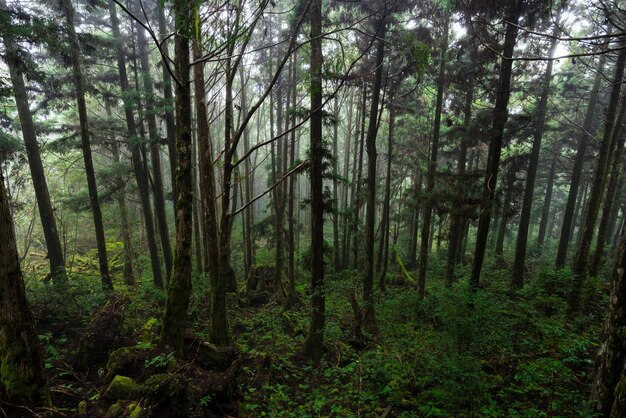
(123,387)
(121,361)
(101,335)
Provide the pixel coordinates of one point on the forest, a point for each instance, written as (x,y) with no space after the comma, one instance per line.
(312,208)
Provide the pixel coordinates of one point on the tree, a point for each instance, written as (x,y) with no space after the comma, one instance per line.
(134,145)
(500,116)
(531,173)
(22,377)
(432,162)
(46,211)
(314,342)
(580,267)
(611,355)
(369,318)
(179,289)
(79,89)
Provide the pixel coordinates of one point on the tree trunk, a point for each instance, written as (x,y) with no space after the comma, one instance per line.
(155,154)
(545,211)
(336,249)
(610,359)
(138,169)
(583,138)
(345,240)
(42,195)
(500,116)
(179,289)
(292,296)
(357,200)
(384,250)
(120,196)
(314,342)
(21,358)
(248,214)
(609,199)
(580,268)
(170,124)
(369,318)
(517,280)
(79,86)
(432,164)
(457,221)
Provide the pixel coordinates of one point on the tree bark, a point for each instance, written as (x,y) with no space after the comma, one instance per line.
(610,358)
(179,289)
(21,358)
(500,116)
(79,87)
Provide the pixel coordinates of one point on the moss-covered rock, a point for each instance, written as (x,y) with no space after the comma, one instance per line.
(121,361)
(123,387)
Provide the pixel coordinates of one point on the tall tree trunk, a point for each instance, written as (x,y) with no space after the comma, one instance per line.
(40,185)
(79,87)
(179,289)
(357,200)
(580,268)
(517,280)
(457,221)
(138,169)
(22,379)
(611,190)
(432,163)
(415,219)
(500,116)
(155,153)
(545,211)
(314,342)
(345,240)
(248,214)
(292,296)
(336,249)
(583,138)
(198,245)
(610,359)
(170,124)
(387,201)
(120,196)
(506,209)
(369,318)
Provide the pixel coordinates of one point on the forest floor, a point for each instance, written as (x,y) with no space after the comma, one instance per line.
(433,357)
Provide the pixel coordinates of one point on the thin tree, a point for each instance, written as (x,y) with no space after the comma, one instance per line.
(138,169)
(40,185)
(432,162)
(517,280)
(79,89)
(500,116)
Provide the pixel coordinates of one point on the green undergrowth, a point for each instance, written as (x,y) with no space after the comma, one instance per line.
(453,354)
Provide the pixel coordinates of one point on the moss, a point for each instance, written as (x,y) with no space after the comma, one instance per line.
(18,377)
(116,410)
(82,408)
(135,410)
(123,387)
(120,361)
